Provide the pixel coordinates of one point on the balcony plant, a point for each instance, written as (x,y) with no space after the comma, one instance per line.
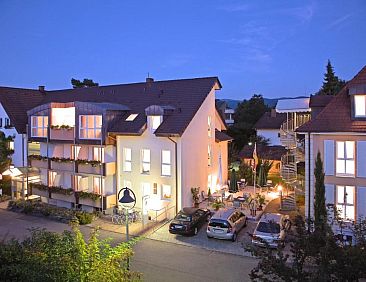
(217,204)
(61,160)
(37,157)
(60,190)
(195,196)
(91,162)
(59,127)
(88,195)
(260,200)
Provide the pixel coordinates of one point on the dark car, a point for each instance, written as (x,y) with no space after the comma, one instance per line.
(189,220)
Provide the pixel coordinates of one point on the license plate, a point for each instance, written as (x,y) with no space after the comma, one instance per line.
(218,231)
(178,226)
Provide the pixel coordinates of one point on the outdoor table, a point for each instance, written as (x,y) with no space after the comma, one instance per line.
(241,200)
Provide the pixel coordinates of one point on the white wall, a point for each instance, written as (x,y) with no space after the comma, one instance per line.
(271,134)
(19,158)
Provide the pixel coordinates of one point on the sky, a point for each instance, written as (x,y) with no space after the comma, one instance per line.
(273,48)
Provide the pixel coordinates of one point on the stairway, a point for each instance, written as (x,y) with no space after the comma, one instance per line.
(288,203)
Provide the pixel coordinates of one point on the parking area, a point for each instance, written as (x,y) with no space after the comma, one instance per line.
(200,240)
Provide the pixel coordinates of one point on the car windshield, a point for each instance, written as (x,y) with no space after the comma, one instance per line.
(183,217)
(268,227)
(219,223)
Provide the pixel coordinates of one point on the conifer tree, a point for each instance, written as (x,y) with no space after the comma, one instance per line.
(320,211)
(331,84)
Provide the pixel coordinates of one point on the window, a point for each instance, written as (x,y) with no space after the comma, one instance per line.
(209,151)
(76,183)
(90,127)
(146,189)
(39,126)
(98,184)
(1,122)
(7,122)
(345,202)
(145,157)
(11,145)
(155,122)
(155,188)
(63,116)
(166,192)
(51,178)
(345,164)
(75,152)
(127,159)
(360,105)
(166,163)
(131,117)
(98,154)
(209,126)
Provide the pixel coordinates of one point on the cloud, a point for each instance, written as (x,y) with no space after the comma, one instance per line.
(338,22)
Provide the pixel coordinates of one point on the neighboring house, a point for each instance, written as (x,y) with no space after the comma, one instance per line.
(318,103)
(338,132)
(159,138)
(270,153)
(269,126)
(226,112)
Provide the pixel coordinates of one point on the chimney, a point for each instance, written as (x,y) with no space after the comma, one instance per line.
(149,80)
(273,113)
(41,88)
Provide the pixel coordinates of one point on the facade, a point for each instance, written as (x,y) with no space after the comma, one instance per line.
(269,125)
(160,138)
(338,132)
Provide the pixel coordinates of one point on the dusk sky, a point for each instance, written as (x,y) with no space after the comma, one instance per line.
(275,48)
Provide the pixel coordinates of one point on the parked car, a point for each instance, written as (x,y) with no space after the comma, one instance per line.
(271,230)
(226,224)
(189,220)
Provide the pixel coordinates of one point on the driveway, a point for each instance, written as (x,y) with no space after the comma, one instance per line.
(201,240)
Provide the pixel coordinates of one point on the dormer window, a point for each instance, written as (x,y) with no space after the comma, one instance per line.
(90,127)
(154,122)
(360,105)
(131,117)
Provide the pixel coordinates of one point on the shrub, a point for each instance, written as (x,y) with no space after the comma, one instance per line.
(84,217)
(28,208)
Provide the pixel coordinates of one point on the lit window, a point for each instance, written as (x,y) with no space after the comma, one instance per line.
(76,182)
(166,192)
(11,145)
(39,126)
(360,105)
(345,158)
(155,122)
(98,154)
(209,154)
(90,127)
(145,157)
(127,159)
(166,163)
(209,126)
(146,189)
(98,184)
(131,117)
(345,202)
(51,178)
(63,116)
(75,152)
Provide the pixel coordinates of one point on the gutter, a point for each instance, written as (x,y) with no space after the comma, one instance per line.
(176,174)
(309,183)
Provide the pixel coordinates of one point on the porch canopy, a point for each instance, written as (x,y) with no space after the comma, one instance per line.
(295,105)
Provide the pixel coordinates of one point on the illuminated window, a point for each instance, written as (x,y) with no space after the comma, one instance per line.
(155,122)
(145,157)
(39,126)
(360,105)
(90,127)
(209,155)
(51,178)
(166,163)
(63,116)
(166,192)
(98,154)
(146,189)
(76,183)
(127,159)
(98,184)
(345,164)
(209,126)
(345,202)
(75,152)
(11,145)
(131,117)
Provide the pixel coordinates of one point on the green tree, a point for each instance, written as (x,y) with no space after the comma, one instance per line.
(331,84)
(83,84)
(246,115)
(5,152)
(320,210)
(48,256)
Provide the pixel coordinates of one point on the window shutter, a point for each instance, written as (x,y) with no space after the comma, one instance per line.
(361,202)
(361,159)
(329,157)
(329,200)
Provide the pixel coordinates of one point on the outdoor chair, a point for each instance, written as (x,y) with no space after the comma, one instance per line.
(230,200)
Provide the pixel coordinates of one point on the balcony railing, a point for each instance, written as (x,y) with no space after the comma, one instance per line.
(60,133)
(62,164)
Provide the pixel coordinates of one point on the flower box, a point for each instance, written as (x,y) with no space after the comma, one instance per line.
(40,192)
(62,197)
(39,163)
(62,165)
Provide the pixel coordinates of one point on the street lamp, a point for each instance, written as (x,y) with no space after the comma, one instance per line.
(279,188)
(127,202)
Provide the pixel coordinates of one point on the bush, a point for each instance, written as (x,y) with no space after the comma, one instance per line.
(5,185)
(84,217)
(28,208)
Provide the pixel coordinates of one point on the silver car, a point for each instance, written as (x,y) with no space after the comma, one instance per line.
(226,224)
(271,230)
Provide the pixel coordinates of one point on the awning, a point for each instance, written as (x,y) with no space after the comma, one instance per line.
(293,105)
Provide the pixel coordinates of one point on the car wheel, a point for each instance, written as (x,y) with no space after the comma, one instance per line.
(195,230)
(234,237)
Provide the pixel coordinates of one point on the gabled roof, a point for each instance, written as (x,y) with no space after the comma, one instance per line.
(268,121)
(263,152)
(221,136)
(320,100)
(336,116)
(185,96)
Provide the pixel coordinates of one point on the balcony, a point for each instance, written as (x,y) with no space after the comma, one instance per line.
(62,133)
(40,192)
(63,197)
(91,167)
(62,164)
(96,202)
(42,162)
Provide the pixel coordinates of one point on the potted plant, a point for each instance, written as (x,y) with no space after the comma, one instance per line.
(217,204)
(260,199)
(195,196)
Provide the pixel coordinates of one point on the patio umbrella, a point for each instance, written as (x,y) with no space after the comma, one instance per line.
(262,179)
(233,182)
(220,172)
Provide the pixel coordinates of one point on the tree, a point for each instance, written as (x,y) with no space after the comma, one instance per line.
(83,84)
(48,256)
(246,115)
(320,210)
(5,152)
(331,84)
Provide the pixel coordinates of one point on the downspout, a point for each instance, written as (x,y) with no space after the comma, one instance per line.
(176,174)
(309,182)
(117,167)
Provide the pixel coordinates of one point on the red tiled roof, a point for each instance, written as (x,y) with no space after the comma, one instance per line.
(336,116)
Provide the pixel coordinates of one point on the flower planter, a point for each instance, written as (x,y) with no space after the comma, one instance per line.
(62,134)
(62,197)
(39,192)
(39,163)
(65,166)
(90,202)
(88,168)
